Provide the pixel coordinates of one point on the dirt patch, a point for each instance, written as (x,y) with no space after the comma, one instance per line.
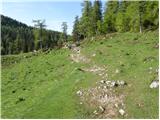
(102,98)
(101,71)
(105,101)
(79,58)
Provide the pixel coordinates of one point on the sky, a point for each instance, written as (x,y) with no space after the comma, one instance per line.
(53,11)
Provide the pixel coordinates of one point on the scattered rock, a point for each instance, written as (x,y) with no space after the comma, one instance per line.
(80,103)
(116,105)
(94,55)
(79,58)
(150,68)
(104,87)
(34,51)
(95,112)
(113,83)
(121,83)
(122,112)
(157,71)
(156,46)
(108,82)
(140,105)
(102,81)
(101,109)
(117,71)
(148,59)
(78,51)
(65,46)
(79,93)
(71,46)
(154,84)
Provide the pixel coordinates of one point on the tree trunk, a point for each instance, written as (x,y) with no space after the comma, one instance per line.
(140,20)
(140,26)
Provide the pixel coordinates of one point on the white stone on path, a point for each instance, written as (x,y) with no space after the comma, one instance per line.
(94,55)
(154,84)
(121,111)
(79,93)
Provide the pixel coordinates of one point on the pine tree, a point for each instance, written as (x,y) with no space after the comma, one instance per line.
(64,31)
(122,20)
(151,17)
(96,16)
(85,24)
(18,43)
(142,7)
(110,16)
(75,33)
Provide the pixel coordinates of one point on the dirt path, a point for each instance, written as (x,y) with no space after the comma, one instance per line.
(102,97)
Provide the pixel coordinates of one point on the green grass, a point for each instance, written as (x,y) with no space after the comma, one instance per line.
(126,52)
(45,86)
(48,84)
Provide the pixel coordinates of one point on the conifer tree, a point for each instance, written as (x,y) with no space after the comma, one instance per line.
(96,16)
(64,31)
(110,16)
(122,20)
(85,24)
(75,33)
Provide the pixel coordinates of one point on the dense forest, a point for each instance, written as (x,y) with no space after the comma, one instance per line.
(118,16)
(18,37)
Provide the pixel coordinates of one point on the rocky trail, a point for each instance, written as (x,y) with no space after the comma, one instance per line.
(102,97)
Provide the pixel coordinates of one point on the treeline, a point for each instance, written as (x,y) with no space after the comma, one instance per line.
(118,16)
(17,37)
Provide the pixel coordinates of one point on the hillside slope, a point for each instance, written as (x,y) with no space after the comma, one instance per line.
(45,85)
(18,37)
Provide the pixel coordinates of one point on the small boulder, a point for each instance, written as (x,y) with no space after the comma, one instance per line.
(80,103)
(116,105)
(117,71)
(34,51)
(150,68)
(95,112)
(113,83)
(102,81)
(154,84)
(101,109)
(79,93)
(94,55)
(104,87)
(122,112)
(121,83)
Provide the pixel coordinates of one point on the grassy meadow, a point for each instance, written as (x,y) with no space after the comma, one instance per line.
(45,85)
